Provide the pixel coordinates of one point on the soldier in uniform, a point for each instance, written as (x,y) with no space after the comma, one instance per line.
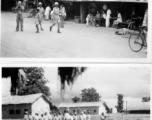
(55,17)
(19,17)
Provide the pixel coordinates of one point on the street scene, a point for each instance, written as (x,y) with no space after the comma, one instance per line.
(76,93)
(83,30)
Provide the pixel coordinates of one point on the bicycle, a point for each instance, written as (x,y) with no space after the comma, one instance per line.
(137,39)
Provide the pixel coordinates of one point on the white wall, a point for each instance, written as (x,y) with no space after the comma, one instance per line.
(6,86)
(102,110)
(41,106)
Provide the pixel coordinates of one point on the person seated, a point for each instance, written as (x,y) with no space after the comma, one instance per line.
(97,20)
(89,19)
(118,20)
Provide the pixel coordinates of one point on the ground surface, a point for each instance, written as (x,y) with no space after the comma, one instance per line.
(75,41)
(117,117)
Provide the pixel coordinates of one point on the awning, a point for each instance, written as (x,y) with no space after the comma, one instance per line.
(135,1)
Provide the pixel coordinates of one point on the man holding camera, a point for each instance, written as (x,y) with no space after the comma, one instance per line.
(19,17)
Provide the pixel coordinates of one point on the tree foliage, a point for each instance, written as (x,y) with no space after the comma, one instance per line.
(145,99)
(76,99)
(69,75)
(66,74)
(120,103)
(36,82)
(90,95)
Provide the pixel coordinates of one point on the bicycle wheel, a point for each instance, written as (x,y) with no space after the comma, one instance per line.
(136,42)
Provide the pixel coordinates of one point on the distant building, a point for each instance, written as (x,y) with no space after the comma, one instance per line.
(138,107)
(95,108)
(13,107)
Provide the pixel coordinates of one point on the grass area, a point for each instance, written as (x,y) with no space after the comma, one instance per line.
(120,117)
(117,117)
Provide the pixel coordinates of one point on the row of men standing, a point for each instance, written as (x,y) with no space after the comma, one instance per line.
(57,116)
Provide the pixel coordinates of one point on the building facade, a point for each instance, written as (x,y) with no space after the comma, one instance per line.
(13,107)
(95,108)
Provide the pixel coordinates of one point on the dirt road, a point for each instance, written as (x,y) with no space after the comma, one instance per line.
(75,41)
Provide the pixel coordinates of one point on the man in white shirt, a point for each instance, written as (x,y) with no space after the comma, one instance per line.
(107,16)
(67,115)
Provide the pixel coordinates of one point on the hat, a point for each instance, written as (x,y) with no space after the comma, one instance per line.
(56,3)
(19,2)
(40,3)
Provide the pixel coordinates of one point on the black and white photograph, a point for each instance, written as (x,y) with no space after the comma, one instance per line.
(100,29)
(87,92)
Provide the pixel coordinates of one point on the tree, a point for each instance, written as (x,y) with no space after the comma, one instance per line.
(120,103)
(109,110)
(66,74)
(36,82)
(76,99)
(90,95)
(145,99)
(69,75)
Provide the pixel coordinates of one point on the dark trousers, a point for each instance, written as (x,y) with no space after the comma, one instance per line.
(19,20)
(102,21)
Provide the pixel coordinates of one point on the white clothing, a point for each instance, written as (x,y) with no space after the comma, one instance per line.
(84,116)
(67,116)
(36,117)
(108,13)
(108,18)
(102,117)
(88,117)
(70,117)
(50,117)
(119,19)
(81,117)
(47,11)
(46,117)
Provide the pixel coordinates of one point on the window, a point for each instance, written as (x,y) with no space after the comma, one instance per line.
(11,112)
(18,111)
(95,111)
(64,111)
(73,111)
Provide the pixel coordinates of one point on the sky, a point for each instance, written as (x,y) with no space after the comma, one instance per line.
(132,82)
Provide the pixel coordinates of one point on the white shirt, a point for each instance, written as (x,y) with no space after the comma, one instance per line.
(45,117)
(84,116)
(108,14)
(47,10)
(119,19)
(67,116)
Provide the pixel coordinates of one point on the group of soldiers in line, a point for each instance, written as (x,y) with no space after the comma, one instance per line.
(84,115)
(57,16)
(58,116)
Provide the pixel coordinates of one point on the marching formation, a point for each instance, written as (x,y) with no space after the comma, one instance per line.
(57,16)
(66,115)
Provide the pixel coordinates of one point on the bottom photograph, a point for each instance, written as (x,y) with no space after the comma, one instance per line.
(96,92)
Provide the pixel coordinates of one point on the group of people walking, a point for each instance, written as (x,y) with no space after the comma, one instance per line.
(57,16)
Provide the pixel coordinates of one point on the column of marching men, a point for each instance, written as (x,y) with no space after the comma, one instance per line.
(58,15)
(84,115)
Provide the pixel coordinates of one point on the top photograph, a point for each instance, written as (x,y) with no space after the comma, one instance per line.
(98,29)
